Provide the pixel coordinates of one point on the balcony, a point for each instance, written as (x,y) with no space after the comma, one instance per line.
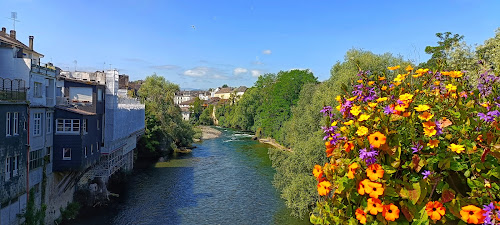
(12,90)
(43,70)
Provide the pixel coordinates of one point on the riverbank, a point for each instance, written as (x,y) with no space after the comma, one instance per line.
(274,143)
(209,132)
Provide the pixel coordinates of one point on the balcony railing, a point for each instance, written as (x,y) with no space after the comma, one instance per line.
(49,71)
(12,90)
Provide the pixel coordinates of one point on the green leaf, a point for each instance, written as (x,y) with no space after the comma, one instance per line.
(414,194)
(457,166)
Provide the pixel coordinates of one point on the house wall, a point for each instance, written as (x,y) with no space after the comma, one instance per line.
(13,68)
(95,106)
(77,143)
(13,190)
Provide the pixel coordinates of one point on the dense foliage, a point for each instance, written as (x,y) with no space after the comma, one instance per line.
(425,145)
(165,128)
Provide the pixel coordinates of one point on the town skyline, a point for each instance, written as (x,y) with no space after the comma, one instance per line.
(199,45)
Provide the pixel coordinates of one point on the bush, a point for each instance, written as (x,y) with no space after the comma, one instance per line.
(423,148)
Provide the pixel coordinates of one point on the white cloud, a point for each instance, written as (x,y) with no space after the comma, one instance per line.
(239,70)
(204,72)
(256,73)
(267,52)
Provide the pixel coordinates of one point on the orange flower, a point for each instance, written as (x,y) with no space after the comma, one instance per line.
(472,214)
(329,152)
(317,171)
(390,212)
(374,172)
(348,146)
(409,68)
(372,104)
(429,125)
(324,188)
(393,67)
(371,83)
(435,210)
(374,189)
(374,206)
(377,139)
(383,88)
(381,78)
(352,170)
(426,116)
(361,216)
(433,143)
(430,132)
(362,185)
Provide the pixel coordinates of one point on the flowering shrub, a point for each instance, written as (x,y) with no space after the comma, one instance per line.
(420,148)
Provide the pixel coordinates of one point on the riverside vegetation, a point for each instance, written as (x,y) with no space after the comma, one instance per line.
(286,106)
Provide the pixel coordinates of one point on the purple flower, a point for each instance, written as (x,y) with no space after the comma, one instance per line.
(326,110)
(389,110)
(439,129)
(416,147)
(485,117)
(368,156)
(495,113)
(426,173)
(488,212)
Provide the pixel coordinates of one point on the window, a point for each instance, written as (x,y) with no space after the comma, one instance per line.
(97,146)
(48,120)
(66,153)
(85,152)
(8,125)
(15,166)
(49,151)
(16,123)
(7,168)
(92,149)
(37,92)
(36,159)
(98,125)
(84,125)
(99,95)
(68,126)
(37,124)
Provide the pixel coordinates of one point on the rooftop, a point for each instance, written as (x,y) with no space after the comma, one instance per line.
(10,39)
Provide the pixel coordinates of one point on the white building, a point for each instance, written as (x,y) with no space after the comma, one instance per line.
(18,61)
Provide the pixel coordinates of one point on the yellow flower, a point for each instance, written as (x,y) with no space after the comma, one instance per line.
(430,132)
(360,81)
(348,123)
(372,104)
(451,88)
(422,71)
(371,83)
(393,67)
(400,108)
(383,88)
(485,105)
(456,148)
(334,123)
(352,99)
(338,98)
(339,107)
(399,77)
(421,108)
(436,83)
(362,131)
(363,117)
(405,97)
(382,99)
(426,116)
(409,68)
(433,143)
(456,74)
(343,129)
(355,110)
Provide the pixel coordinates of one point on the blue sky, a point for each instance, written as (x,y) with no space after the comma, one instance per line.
(232,42)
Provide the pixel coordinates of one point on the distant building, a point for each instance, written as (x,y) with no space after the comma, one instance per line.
(240,90)
(224,93)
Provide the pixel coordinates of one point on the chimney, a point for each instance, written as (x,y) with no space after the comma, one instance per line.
(31,42)
(13,34)
(4,31)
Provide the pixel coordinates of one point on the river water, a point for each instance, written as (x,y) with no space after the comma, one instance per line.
(226,180)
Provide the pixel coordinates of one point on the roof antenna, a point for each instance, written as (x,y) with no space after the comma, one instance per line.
(13,17)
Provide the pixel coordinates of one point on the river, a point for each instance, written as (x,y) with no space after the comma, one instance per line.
(226,180)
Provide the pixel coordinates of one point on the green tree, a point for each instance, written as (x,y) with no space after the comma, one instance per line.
(196,109)
(206,116)
(490,51)
(224,86)
(164,124)
(440,53)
